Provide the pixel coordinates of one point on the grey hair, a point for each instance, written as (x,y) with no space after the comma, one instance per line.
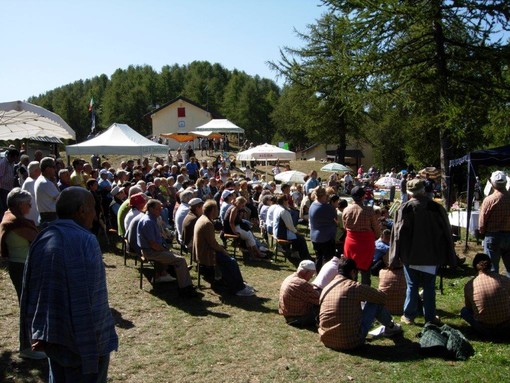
(63,171)
(16,197)
(134,190)
(32,167)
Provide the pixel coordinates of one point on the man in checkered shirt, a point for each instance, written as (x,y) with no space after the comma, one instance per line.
(487,298)
(344,324)
(494,222)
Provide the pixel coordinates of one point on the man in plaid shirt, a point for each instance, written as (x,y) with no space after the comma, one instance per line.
(299,300)
(494,222)
(487,298)
(344,324)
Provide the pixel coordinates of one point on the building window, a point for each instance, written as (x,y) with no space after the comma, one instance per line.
(181,112)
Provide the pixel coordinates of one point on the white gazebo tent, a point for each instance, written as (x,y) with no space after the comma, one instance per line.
(222,126)
(267,153)
(118,139)
(19,120)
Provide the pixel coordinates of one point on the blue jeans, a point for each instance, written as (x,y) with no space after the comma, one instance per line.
(373,311)
(65,367)
(414,280)
(230,272)
(497,246)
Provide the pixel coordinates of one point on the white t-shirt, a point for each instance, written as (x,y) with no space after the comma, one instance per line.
(46,194)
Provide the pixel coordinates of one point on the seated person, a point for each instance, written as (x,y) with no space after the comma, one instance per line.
(343,324)
(188,225)
(136,203)
(150,242)
(328,272)
(299,300)
(487,299)
(283,228)
(210,253)
(392,282)
(382,245)
(233,224)
(185,196)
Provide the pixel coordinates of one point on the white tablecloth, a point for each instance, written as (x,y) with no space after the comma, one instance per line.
(459,218)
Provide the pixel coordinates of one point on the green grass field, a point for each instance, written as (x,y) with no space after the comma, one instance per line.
(164,338)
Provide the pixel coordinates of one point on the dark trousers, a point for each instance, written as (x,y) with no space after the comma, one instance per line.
(66,367)
(230,272)
(3,201)
(324,251)
(299,245)
(16,274)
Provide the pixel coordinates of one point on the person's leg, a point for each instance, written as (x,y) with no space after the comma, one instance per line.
(178,262)
(411,301)
(319,257)
(299,245)
(365,277)
(491,248)
(245,236)
(16,274)
(505,253)
(231,274)
(428,282)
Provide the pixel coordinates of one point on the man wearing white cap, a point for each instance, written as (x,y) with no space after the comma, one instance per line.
(299,300)
(494,222)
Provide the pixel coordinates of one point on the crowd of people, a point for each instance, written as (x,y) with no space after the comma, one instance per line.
(52,215)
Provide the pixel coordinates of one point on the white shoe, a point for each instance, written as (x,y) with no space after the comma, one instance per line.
(165,278)
(390,331)
(246,285)
(246,292)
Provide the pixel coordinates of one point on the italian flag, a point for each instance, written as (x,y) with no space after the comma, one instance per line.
(91,104)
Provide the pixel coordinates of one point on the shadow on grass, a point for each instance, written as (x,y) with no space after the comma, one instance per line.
(13,369)
(472,335)
(404,350)
(193,306)
(121,322)
(253,303)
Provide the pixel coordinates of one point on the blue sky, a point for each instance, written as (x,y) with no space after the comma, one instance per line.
(51,43)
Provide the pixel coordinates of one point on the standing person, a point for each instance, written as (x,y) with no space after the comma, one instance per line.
(322,218)
(421,239)
(16,234)
(34,171)
(64,305)
(494,222)
(77,177)
(487,298)
(7,177)
(363,228)
(46,192)
(403,189)
(343,323)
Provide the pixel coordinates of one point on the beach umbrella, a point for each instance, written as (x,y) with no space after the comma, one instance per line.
(431,171)
(387,182)
(333,167)
(266,152)
(291,176)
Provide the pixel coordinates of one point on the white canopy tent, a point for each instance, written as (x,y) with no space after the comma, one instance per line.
(266,152)
(222,126)
(118,139)
(19,120)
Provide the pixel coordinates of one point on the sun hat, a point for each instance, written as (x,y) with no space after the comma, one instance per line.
(195,201)
(415,185)
(498,178)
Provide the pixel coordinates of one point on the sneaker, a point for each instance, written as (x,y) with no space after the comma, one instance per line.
(246,292)
(165,279)
(406,320)
(247,286)
(29,354)
(391,331)
(263,249)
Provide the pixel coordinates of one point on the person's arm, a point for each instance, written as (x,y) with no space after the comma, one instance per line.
(482,218)
(370,294)
(310,294)
(374,223)
(468,294)
(232,218)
